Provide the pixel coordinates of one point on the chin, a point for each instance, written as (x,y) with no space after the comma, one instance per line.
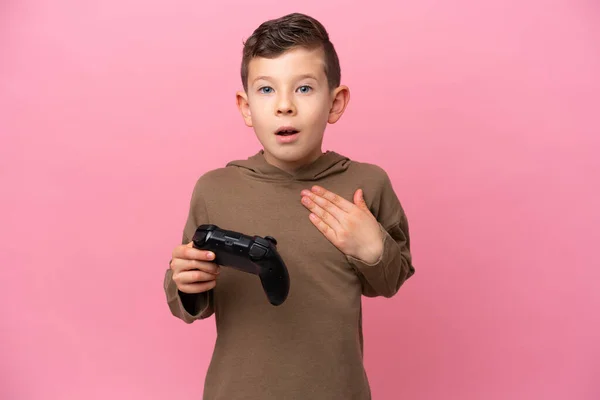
(292,154)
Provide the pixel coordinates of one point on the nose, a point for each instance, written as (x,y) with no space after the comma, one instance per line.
(285,106)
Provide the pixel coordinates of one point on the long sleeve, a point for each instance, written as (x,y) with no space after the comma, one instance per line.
(385,276)
(185,306)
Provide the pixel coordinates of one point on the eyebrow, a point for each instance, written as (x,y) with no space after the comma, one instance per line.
(268,78)
(307,76)
(258,78)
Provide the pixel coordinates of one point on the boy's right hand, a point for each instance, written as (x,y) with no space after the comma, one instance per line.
(193,269)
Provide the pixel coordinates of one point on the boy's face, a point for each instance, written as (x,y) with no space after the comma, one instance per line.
(291,92)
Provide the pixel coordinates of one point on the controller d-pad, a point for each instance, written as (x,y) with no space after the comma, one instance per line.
(257,251)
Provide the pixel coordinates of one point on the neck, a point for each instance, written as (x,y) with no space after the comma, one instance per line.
(293,166)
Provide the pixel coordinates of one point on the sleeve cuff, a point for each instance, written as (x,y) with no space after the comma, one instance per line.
(188,307)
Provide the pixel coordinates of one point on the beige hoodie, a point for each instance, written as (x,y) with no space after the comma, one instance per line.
(311,346)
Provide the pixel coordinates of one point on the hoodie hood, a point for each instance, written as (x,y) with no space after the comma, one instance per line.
(256,166)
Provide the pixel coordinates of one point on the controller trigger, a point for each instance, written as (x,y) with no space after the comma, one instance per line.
(199,238)
(257,252)
(271,239)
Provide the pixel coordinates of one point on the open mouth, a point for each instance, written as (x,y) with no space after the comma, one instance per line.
(286,131)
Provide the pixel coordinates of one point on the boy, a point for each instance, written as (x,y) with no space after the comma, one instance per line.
(339,226)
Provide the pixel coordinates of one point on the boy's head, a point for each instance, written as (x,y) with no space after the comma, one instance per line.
(291,78)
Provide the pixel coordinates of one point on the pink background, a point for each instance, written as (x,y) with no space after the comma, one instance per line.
(484,113)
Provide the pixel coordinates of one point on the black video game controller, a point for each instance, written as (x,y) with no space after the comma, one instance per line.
(252,254)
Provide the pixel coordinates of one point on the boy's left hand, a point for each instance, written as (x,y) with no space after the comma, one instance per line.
(351,227)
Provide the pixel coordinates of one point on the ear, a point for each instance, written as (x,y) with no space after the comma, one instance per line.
(244,107)
(340,98)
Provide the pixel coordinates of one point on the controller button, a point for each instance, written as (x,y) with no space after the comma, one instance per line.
(261,241)
(257,251)
(271,239)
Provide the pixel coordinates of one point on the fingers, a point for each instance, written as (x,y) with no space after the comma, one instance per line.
(359,199)
(194,281)
(321,205)
(188,252)
(325,228)
(333,198)
(193,276)
(194,270)
(197,287)
(182,264)
(326,211)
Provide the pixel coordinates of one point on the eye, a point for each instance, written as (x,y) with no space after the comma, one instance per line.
(265,90)
(304,89)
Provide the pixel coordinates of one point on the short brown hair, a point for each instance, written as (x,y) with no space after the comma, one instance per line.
(274,37)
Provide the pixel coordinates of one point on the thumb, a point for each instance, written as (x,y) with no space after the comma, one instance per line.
(359,200)
(190,244)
